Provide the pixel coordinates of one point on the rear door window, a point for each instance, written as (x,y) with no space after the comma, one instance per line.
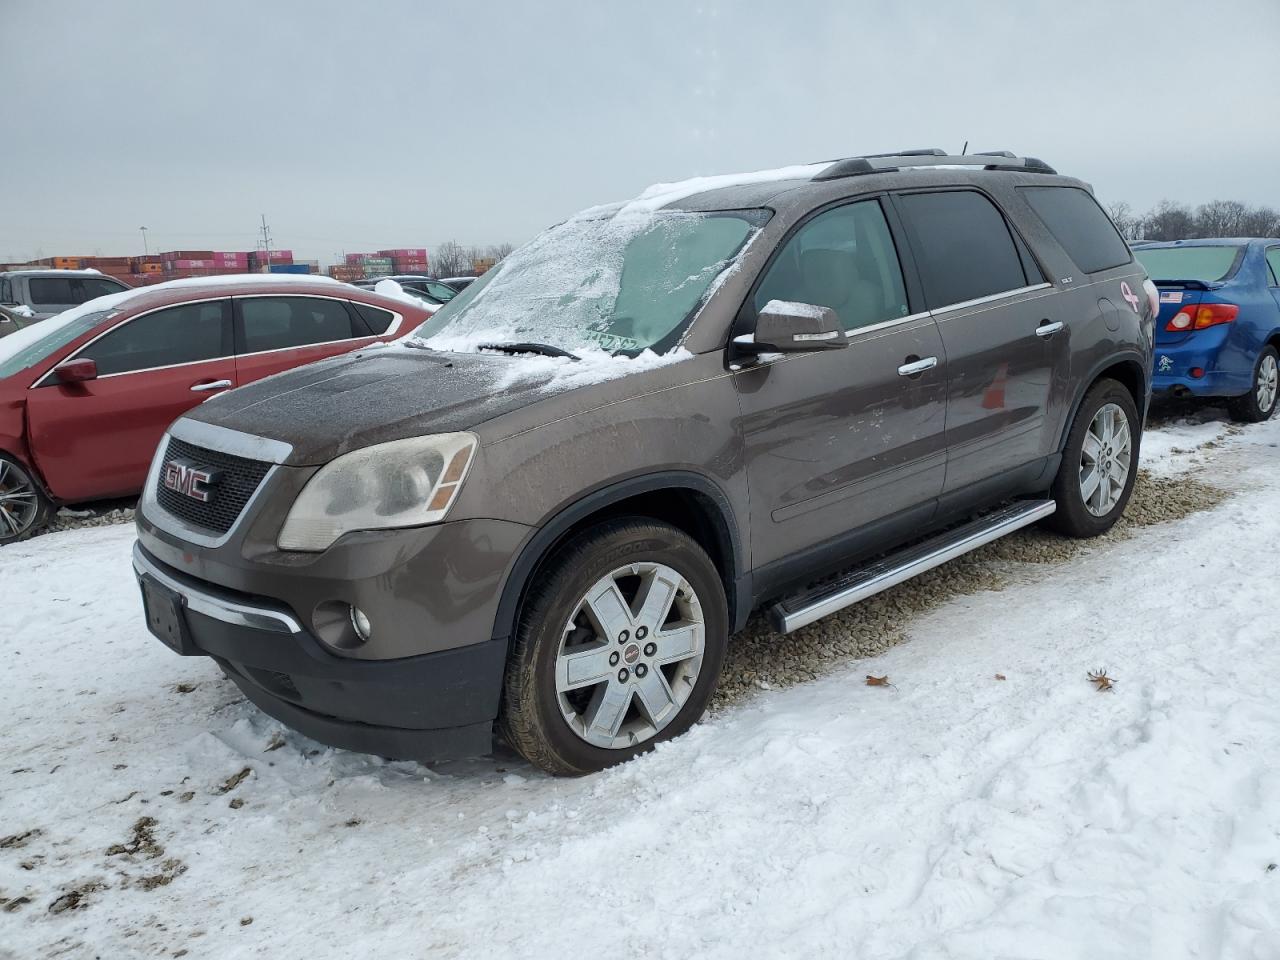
(189,333)
(1273,261)
(963,246)
(1079,225)
(69,291)
(278,323)
(844,258)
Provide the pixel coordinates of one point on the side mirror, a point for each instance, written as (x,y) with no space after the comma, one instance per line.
(787,327)
(77,371)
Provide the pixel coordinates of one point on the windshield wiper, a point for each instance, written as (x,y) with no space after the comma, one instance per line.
(546,349)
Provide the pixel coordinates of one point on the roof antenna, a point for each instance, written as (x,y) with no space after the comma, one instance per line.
(965,149)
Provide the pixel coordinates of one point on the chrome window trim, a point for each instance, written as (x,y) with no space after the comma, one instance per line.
(210,602)
(992,298)
(391,331)
(224,440)
(886,324)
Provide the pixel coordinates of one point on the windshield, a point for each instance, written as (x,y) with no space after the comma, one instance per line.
(1188,263)
(623,284)
(30,345)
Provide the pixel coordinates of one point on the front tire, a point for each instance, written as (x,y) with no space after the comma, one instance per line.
(619,647)
(24,509)
(1099,462)
(1260,402)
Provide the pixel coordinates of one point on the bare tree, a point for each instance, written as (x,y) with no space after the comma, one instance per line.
(450,260)
(1169,221)
(1129,225)
(1221,218)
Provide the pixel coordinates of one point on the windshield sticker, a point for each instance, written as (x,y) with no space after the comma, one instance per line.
(1171,296)
(611,341)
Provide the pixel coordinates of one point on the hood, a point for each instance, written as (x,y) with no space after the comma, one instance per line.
(390,392)
(328,408)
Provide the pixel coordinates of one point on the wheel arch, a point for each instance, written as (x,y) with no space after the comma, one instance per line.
(689,501)
(1128,371)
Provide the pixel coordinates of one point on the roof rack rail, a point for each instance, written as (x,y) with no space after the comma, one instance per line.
(889,162)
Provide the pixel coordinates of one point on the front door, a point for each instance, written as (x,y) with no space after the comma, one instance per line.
(1005,337)
(96,439)
(840,439)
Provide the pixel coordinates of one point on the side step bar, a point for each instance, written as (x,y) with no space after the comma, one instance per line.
(802,609)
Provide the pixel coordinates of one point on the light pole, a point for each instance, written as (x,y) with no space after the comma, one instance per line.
(145,252)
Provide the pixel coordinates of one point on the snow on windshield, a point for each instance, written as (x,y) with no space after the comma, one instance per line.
(623,277)
(623,283)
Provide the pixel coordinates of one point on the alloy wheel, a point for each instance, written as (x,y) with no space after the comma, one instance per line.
(1106,457)
(1268,383)
(630,655)
(19,500)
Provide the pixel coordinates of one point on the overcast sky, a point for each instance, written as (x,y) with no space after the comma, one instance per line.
(360,125)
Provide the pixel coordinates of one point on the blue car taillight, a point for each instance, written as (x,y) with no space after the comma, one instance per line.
(1200,315)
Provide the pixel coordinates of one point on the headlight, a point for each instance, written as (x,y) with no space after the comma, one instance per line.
(405,483)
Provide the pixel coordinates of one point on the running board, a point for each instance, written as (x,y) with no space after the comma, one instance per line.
(802,609)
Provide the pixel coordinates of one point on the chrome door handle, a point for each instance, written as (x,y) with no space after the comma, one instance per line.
(917,367)
(1048,329)
(215,385)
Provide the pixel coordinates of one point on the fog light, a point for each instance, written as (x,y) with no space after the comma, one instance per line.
(361,624)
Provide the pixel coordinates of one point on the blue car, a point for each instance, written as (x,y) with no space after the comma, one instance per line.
(1218,332)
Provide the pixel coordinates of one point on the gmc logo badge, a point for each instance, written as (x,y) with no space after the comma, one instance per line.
(189,480)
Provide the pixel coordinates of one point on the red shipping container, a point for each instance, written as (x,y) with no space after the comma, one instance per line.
(411,266)
(406,253)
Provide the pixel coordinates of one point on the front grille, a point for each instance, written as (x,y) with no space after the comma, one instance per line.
(238,479)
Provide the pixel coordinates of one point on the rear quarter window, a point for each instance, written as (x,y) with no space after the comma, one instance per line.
(1079,225)
(377,319)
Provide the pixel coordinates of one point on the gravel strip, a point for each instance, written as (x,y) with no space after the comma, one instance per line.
(761,659)
(98,515)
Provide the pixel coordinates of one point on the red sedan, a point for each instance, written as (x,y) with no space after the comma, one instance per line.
(86,395)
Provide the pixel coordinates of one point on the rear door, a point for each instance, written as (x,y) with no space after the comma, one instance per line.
(275,333)
(96,439)
(840,439)
(1001,328)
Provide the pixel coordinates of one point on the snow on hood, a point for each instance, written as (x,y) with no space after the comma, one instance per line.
(593,366)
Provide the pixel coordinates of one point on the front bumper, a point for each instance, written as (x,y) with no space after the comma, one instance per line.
(434,706)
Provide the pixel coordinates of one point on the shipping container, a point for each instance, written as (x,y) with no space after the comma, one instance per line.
(289,268)
(187,255)
(406,253)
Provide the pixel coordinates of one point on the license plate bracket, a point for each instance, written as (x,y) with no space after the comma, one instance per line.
(166,612)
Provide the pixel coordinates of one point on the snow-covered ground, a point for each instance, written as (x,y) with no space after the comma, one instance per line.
(989,803)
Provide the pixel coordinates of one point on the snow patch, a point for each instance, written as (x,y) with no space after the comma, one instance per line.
(390,288)
(661,194)
(594,366)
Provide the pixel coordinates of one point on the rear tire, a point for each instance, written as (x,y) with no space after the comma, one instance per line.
(1099,462)
(1260,402)
(24,509)
(596,674)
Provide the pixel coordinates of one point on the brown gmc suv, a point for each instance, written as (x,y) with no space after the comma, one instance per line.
(544,513)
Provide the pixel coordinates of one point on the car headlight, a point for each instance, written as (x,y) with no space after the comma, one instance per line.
(404,483)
